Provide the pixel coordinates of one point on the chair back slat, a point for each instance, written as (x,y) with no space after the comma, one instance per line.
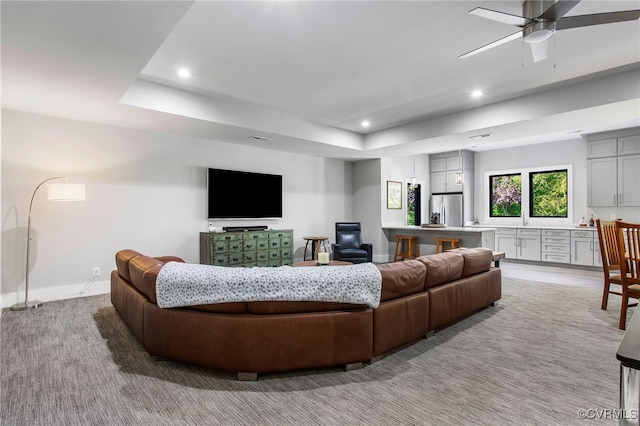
(608,239)
(628,243)
(629,251)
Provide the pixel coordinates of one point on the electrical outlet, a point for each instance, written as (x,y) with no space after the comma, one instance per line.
(96,271)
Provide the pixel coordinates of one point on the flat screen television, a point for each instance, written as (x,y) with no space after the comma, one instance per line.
(235,194)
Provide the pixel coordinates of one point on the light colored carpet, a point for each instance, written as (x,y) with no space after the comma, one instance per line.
(544,352)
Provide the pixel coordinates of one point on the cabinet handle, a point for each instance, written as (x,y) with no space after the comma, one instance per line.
(591,245)
(619,199)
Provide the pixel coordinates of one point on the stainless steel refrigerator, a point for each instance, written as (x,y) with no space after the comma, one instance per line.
(446,209)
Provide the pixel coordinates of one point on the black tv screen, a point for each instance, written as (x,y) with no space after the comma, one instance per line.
(243,195)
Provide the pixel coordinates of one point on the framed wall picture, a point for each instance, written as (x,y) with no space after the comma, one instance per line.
(394,194)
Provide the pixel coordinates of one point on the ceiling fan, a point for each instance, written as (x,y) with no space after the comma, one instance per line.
(541,19)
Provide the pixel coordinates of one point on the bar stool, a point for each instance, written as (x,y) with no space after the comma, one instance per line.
(440,242)
(412,247)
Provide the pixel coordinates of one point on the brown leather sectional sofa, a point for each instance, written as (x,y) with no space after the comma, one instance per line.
(418,297)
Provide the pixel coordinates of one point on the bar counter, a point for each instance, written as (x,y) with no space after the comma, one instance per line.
(468,236)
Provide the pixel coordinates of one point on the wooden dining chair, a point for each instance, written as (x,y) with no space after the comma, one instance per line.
(629,255)
(608,240)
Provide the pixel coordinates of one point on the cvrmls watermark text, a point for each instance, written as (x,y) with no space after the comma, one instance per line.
(607,414)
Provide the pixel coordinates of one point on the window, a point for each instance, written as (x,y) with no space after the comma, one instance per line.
(506,195)
(540,196)
(548,192)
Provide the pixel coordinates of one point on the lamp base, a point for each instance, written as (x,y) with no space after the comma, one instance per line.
(26,305)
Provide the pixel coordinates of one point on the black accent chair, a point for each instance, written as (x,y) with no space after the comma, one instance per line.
(349,246)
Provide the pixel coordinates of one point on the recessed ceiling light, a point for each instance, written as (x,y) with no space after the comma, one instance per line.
(365,123)
(476,93)
(184,73)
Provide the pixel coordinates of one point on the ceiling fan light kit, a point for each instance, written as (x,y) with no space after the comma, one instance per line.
(539,31)
(540,21)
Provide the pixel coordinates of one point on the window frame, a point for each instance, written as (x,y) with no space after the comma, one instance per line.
(531,174)
(525,209)
(491,193)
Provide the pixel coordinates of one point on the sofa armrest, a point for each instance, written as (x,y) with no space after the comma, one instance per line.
(369,248)
(335,248)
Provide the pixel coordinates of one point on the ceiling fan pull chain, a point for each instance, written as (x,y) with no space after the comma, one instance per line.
(554,52)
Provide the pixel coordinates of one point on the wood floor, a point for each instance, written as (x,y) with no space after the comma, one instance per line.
(552,274)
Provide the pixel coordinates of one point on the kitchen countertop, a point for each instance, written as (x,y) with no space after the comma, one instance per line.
(567,228)
(445,229)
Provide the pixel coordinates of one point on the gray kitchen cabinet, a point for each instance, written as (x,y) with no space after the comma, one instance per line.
(613,174)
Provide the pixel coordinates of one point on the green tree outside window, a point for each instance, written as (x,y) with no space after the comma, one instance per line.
(506,195)
(549,194)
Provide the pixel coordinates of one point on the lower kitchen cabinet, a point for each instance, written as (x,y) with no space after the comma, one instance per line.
(528,244)
(519,243)
(585,249)
(556,246)
(575,247)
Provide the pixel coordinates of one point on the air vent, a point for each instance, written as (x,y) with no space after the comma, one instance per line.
(485,135)
(259,138)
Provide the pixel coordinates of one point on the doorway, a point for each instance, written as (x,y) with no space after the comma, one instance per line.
(413,205)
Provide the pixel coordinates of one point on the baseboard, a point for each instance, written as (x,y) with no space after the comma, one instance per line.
(57,293)
(381,258)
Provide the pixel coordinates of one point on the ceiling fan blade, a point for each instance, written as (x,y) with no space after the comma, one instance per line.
(505,18)
(539,50)
(597,19)
(557,11)
(503,40)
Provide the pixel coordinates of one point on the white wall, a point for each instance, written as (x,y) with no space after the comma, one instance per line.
(1,205)
(567,152)
(367,201)
(401,169)
(145,191)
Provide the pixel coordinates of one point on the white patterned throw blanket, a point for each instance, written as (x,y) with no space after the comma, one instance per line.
(188,284)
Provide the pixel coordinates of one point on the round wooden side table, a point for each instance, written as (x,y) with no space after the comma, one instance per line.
(314,246)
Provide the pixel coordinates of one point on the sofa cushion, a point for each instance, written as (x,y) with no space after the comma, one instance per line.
(122,262)
(402,278)
(442,268)
(144,271)
(352,253)
(124,256)
(476,261)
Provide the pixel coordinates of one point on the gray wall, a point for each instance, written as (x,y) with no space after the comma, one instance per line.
(145,191)
(366,204)
(573,152)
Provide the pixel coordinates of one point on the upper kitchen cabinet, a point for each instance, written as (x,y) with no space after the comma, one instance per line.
(629,145)
(445,166)
(613,170)
(602,148)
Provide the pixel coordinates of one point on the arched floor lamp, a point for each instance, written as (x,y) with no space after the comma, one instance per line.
(55,192)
